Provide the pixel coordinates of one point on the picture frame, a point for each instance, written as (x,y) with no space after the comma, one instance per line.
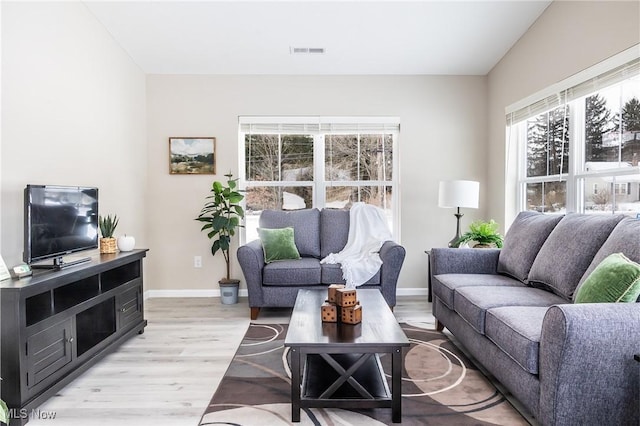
(192,155)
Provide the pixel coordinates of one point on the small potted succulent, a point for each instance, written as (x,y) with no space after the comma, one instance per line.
(221,217)
(107,228)
(484,234)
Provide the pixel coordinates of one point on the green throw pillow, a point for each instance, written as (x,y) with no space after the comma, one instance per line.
(278,244)
(615,279)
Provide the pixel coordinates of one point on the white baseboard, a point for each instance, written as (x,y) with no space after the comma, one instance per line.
(243,293)
(404,291)
(189,293)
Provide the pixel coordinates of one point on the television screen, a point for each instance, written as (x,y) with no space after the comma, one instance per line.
(59,220)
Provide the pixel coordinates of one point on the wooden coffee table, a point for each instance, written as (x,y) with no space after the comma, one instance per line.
(341,362)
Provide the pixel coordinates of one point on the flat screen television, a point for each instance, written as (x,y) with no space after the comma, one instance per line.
(58,221)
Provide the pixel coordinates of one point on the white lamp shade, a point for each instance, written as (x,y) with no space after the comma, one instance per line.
(459,193)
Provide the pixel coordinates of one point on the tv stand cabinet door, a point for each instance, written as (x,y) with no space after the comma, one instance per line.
(129,306)
(48,351)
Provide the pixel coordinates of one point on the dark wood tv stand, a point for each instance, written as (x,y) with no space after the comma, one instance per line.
(57,324)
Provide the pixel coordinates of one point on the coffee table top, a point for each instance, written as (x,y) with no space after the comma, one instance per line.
(379,326)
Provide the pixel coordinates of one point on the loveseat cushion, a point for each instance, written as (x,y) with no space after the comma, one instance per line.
(569,250)
(444,285)
(334,230)
(523,241)
(516,331)
(472,303)
(305,271)
(625,238)
(305,224)
(332,274)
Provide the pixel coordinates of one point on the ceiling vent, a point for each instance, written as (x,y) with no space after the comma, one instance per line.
(306,50)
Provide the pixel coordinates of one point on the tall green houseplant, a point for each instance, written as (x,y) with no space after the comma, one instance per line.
(221,217)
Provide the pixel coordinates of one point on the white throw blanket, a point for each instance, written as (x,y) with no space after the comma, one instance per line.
(360,260)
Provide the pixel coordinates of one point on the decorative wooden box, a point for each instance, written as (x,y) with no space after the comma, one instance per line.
(329,312)
(346,298)
(352,314)
(332,291)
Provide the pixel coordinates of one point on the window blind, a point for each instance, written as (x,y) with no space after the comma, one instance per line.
(316,125)
(592,85)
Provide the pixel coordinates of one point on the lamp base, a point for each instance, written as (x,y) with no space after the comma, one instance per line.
(455,242)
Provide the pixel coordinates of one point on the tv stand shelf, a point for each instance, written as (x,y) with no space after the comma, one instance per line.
(57,324)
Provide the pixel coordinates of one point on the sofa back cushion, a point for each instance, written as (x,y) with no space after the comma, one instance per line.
(334,231)
(625,238)
(523,242)
(305,224)
(569,250)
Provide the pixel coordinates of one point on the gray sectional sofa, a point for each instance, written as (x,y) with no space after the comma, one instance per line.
(317,233)
(512,309)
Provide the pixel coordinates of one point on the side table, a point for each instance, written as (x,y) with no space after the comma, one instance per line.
(637,358)
(429,294)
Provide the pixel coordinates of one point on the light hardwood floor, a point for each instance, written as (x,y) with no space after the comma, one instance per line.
(167,375)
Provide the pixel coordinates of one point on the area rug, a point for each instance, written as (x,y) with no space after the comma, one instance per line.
(439,387)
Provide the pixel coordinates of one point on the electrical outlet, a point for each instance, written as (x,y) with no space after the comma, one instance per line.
(197,261)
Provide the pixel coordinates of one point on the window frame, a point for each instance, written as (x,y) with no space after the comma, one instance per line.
(320,127)
(551,98)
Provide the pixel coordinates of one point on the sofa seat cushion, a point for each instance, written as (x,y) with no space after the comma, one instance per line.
(472,303)
(305,271)
(523,241)
(305,224)
(569,250)
(516,331)
(332,274)
(444,285)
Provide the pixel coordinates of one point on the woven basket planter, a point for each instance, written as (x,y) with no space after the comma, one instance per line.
(108,245)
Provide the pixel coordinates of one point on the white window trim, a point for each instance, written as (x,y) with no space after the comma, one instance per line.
(575,192)
(320,126)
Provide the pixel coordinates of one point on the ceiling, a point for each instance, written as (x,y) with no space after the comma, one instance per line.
(359,37)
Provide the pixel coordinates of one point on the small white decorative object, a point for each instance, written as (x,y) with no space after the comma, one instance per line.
(126,242)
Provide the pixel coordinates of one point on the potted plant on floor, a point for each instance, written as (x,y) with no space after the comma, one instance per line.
(485,234)
(107,228)
(221,217)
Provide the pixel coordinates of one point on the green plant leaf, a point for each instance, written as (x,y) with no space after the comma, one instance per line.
(239,210)
(107,225)
(4,412)
(482,233)
(235,197)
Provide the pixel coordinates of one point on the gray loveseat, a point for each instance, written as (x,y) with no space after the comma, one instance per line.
(513,310)
(317,233)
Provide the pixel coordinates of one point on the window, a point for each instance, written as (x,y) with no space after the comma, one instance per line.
(579,148)
(292,163)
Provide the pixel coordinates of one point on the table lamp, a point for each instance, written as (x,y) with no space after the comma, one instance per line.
(458,193)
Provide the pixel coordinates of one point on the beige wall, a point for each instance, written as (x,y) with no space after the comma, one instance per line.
(569,37)
(73,113)
(442,137)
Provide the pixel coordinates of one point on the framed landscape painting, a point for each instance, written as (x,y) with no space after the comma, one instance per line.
(189,156)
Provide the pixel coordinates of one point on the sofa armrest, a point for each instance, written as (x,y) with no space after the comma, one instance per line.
(463,261)
(587,371)
(251,259)
(392,255)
